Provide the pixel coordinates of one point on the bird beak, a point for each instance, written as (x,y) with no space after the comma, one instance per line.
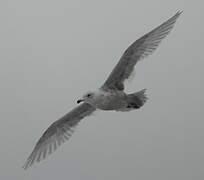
(80,100)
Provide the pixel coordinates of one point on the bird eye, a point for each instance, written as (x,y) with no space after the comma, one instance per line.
(88,95)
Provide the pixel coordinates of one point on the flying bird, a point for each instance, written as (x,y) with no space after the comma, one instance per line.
(110,96)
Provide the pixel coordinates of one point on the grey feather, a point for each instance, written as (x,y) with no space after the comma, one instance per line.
(57,133)
(141,48)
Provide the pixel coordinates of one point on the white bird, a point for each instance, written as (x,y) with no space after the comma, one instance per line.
(110,96)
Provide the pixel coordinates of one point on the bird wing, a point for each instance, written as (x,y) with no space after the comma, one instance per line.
(137,51)
(58,133)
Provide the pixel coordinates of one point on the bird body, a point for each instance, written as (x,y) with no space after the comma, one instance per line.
(115,100)
(107,99)
(110,96)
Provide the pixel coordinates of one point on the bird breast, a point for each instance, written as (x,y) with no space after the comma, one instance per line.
(110,100)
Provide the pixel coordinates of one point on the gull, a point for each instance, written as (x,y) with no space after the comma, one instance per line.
(110,96)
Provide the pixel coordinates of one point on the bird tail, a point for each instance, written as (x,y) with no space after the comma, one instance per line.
(136,100)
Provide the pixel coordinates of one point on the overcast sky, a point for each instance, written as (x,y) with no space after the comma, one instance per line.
(51,52)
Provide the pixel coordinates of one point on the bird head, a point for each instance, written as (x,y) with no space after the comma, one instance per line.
(88,97)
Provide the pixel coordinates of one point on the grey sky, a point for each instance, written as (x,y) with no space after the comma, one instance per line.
(48,51)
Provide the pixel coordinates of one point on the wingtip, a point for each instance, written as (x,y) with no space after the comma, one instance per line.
(26,165)
(176,15)
(179,12)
